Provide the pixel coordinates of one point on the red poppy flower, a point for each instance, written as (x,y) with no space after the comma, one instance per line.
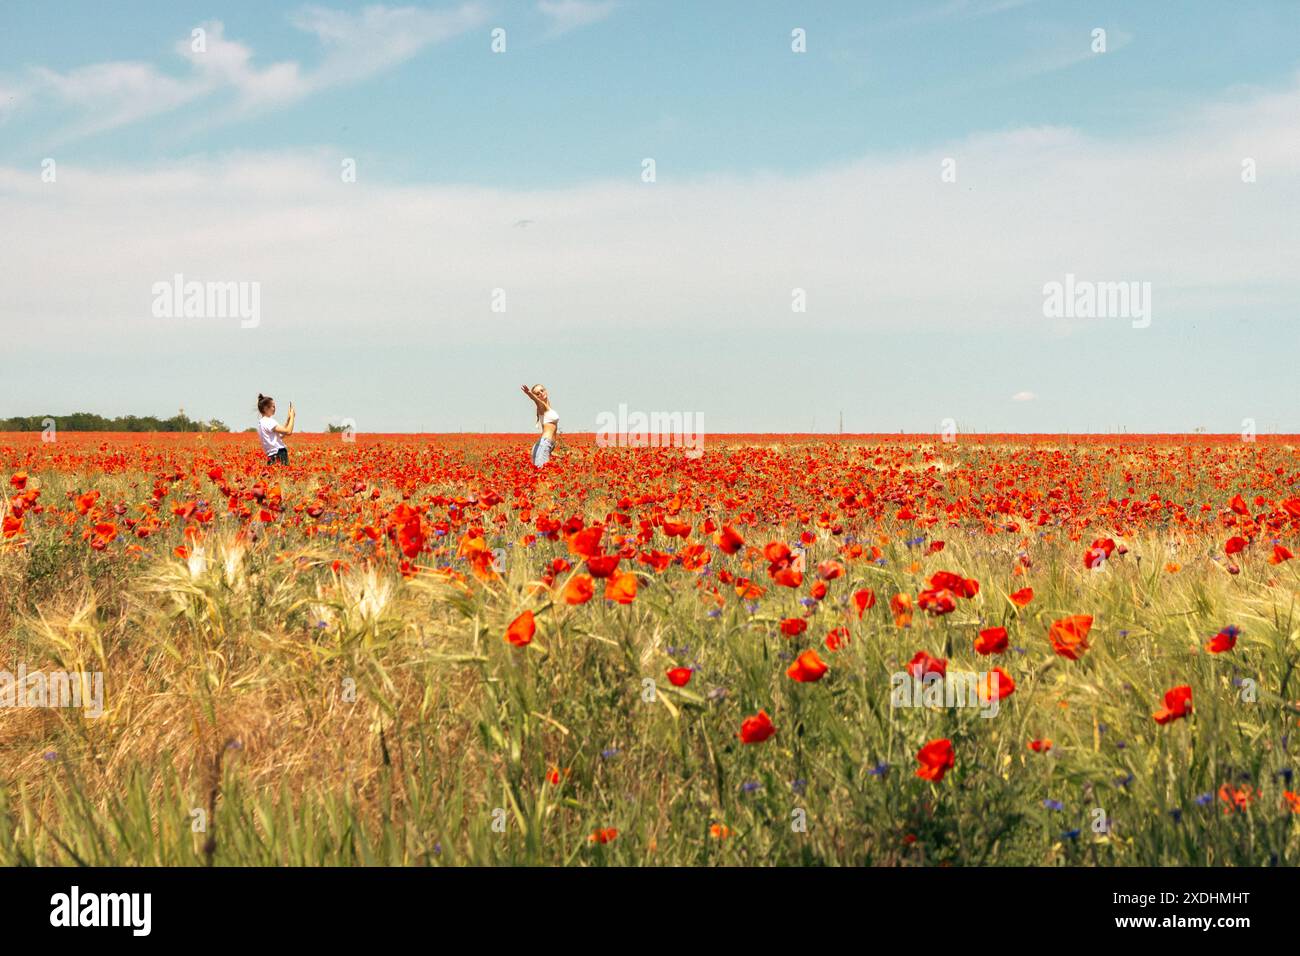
(937,601)
(521,630)
(923,665)
(958,585)
(793,626)
(1096,555)
(991,640)
(1178,703)
(865,599)
(837,638)
(936,758)
(756,729)
(996,685)
(1022,597)
(587,541)
(829,570)
(621,588)
(602,566)
(728,541)
(579,589)
(901,606)
(1070,635)
(807,668)
(1225,640)
(788,578)
(679,676)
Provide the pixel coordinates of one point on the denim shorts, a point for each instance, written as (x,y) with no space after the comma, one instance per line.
(542,450)
(281,457)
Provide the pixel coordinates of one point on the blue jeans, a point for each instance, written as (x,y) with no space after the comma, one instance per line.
(542,450)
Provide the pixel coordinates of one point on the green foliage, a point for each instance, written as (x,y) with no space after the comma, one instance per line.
(90,422)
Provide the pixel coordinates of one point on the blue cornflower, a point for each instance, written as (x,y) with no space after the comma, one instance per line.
(879,769)
(1053,804)
(610,752)
(1070,835)
(750,786)
(799,786)
(1177,814)
(1205,799)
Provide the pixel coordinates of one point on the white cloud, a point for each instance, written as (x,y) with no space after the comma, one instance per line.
(107,95)
(1065,52)
(1023,397)
(881,242)
(379,38)
(566,15)
(355,46)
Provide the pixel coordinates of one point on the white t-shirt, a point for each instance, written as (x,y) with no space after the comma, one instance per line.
(550,416)
(270,438)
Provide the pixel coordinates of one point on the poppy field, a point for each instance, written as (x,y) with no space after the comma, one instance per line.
(790,650)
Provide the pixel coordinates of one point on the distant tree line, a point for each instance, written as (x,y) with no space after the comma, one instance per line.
(90,422)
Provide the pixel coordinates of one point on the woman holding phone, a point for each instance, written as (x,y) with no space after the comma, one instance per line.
(271,432)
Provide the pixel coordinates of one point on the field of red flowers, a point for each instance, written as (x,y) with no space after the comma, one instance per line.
(792,649)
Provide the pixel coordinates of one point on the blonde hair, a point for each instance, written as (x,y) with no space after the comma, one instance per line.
(539,413)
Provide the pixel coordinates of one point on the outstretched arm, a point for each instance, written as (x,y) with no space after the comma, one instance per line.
(541,406)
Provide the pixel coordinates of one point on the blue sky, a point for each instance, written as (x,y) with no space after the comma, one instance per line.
(521,171)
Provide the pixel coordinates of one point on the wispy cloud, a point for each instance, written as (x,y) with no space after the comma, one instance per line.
(722,250)
(354,47)
(1066,52)
(1023,397)
(566,15)
(958,11)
